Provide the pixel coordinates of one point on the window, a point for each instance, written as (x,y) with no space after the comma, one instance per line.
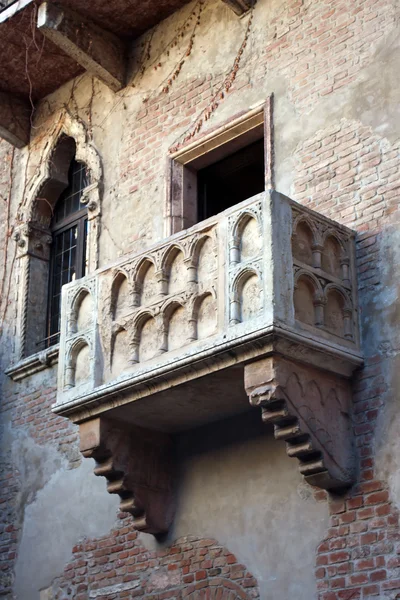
(224,168)
(57,241)
(68,251)
(229,181)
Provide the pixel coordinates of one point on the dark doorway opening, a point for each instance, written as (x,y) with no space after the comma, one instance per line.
(231,180)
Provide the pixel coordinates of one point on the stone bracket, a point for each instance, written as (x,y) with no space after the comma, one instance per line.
(99,52)
(138,466)
(309,410)
(240,7)
(15,120)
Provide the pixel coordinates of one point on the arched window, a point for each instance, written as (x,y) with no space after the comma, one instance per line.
(68,259)
(57,241)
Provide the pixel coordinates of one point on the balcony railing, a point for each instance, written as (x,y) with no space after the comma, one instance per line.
(206,298)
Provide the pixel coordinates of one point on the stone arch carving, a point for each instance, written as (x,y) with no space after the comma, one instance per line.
(119,354)
(250,238)
(174,268)
(120,295)
(78,364)
(75,304)
(147,337)
(308,299)
(338,311)
(246,244)
(246,301)
(204,315)
(333,254)
(204,261)
(82,310)
(304,240)
(33,237)
(146,282)
(175,324)
(52,174)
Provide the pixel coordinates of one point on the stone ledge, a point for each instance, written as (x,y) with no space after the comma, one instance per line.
(133,388)
(33,364)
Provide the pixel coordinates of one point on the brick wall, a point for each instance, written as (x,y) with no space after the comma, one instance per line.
(351,174)
(118,566)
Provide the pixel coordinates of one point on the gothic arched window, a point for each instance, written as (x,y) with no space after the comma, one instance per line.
(57,241)
(68,259)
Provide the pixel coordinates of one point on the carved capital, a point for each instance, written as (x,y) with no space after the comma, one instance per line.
(309,410)
(91,199)
(33,240)
(138,466)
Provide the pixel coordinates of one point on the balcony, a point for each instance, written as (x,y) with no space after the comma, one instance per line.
(257,304)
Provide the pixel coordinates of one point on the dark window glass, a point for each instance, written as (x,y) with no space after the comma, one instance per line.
(68,254)
(231,180)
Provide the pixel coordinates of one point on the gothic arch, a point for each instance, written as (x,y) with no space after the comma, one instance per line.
(68,140)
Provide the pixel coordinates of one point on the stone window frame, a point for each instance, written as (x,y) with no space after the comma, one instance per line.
(181,190)
(33,237)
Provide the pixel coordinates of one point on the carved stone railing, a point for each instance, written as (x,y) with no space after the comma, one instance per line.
(265,292)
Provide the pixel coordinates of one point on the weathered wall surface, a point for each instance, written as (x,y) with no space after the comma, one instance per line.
(332,67)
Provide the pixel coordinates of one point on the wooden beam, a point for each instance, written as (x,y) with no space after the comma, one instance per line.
(15,124)
(240,7)
(98,51)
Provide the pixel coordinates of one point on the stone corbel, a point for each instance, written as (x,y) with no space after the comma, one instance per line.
(309,410)
(138,466)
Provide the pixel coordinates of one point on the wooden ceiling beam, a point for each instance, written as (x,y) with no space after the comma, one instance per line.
(240,7)
(96,50)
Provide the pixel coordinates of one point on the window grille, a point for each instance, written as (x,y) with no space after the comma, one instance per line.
(68,254)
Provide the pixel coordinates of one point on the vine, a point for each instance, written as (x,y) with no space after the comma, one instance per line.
(219,95)
(180,33)
(157,62)
(187,52)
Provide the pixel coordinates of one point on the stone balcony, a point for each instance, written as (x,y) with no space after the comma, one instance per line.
(258,303)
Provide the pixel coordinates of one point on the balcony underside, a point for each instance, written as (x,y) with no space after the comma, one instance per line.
(43,45)
(26,52)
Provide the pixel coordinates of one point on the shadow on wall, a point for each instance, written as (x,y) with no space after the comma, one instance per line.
(237,485)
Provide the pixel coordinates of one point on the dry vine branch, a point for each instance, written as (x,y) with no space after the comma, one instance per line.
(156,61)
(175,72)
(224,88)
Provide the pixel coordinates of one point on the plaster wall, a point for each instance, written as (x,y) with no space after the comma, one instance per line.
(244,492)
(236,484)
